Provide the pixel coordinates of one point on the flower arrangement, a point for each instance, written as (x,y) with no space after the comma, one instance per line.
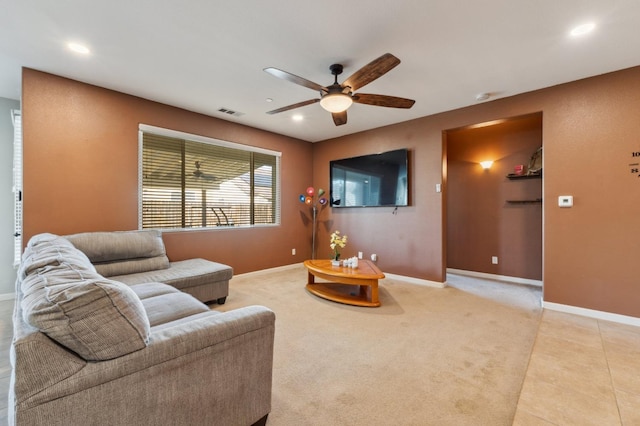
(337,242)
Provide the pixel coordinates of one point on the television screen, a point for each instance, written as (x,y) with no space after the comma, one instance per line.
(370,180)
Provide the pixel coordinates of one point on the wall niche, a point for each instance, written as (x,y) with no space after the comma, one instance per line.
(490,213)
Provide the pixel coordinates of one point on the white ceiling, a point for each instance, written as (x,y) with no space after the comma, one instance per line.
(209,54)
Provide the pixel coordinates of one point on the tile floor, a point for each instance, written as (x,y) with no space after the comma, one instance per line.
(582,371)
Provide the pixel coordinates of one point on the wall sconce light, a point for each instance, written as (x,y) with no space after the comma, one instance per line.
(486,164)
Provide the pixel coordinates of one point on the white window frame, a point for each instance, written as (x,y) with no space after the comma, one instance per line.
(160,131)
(16,118)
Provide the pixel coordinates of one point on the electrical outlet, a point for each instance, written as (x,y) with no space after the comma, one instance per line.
(293,252)
(359,255)
(494,260)
(374,257)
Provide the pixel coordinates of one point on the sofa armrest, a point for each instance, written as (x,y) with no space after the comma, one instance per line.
(209,330)
(229,336)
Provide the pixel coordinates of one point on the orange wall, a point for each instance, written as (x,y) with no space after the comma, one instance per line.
(408,241)
(81,171)
(80,174)
(480,221)
(590,129)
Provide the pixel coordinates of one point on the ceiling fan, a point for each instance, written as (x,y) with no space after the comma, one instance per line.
(197,173)
(337,98)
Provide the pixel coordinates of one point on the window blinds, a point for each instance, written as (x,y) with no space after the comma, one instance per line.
(17,186)
(203,184)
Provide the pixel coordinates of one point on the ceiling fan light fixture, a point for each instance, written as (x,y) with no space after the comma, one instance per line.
(336,102)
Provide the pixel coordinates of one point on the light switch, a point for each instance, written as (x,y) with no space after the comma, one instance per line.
(565,201)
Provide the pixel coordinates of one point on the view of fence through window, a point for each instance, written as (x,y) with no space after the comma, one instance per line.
(202,184)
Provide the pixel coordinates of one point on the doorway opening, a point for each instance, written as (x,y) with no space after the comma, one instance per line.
(494,212)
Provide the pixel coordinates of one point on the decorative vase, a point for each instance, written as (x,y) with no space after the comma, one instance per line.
(335,262)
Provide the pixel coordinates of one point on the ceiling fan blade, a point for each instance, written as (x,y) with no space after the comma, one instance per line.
(295,79)
(339,118)
(298,105)
(383,100)
(371,71)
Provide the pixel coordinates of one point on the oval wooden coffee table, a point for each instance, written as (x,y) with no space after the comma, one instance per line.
(340,282)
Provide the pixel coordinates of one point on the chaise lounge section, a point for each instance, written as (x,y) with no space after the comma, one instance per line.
(135,257)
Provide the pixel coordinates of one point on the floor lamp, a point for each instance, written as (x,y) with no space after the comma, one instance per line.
(313,199)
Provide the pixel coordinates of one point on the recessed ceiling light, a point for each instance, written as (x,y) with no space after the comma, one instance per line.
(269,100)
(79,48)
(482,96)
(297,117)
(583,29)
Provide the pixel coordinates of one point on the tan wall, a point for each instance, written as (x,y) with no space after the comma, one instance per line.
(590,129)
(81,174)
(81,171)
(481,223)
(591,251)
(408,242)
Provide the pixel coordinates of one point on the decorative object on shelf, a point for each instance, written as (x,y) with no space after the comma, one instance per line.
(336,243)
(312,199)
(518,170)
(533,170)
(535,163)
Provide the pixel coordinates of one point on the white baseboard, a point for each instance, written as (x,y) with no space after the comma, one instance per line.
(606,316)
(276,269)
(411,280)
(7,296)
(418,281)
(494,277)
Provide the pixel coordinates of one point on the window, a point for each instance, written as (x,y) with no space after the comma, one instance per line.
(17,186)
(189,181)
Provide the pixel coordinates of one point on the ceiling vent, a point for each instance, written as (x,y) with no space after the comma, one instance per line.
(231,112)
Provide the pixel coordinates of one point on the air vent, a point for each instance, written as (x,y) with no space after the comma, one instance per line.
(231,112)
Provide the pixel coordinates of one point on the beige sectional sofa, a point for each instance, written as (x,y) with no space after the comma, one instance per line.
(93,350)
(135,257)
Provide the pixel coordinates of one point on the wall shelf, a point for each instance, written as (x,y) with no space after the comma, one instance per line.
(517,177)
(536,201)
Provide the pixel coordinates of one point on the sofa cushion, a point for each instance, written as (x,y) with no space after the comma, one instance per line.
(97,318)
(183,274)
(164,304)
(124,252)
(45,250)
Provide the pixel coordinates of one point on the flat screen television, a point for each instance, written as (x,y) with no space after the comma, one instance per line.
(374,180)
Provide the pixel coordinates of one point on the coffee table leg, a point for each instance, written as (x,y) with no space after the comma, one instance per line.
(311,278)
(363,291)
(374,292)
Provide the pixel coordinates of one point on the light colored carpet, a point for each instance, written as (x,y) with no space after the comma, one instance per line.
(427,356)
